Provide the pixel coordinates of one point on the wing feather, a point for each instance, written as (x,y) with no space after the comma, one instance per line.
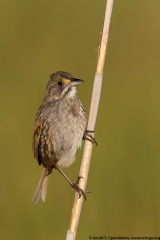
(38,128)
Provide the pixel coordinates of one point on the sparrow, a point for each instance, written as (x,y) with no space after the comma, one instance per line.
(60,125)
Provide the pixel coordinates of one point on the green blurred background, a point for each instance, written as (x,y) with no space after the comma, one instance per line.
(40,37)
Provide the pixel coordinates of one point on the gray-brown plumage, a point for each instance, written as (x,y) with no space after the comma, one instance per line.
(60,126)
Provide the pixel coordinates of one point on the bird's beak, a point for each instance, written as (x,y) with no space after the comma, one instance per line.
(75,82)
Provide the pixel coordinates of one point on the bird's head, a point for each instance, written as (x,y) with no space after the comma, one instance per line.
(61,84)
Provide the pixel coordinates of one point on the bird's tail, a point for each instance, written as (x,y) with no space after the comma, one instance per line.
(41,189)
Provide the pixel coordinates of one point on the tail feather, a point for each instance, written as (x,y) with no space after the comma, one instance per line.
(44,189)
(41,189)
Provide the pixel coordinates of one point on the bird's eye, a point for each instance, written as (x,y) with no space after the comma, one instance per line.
(60,83)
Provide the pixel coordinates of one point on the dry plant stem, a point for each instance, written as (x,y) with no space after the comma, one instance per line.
(84,169)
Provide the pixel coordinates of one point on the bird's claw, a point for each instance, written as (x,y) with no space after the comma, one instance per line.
(87,136)
(79,190)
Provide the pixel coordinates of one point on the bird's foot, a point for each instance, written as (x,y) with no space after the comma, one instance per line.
(78,189)
(88,136)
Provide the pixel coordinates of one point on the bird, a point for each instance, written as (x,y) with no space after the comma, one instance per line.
(60,125)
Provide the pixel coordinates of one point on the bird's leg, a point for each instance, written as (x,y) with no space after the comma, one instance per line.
(88,136)
(74,185)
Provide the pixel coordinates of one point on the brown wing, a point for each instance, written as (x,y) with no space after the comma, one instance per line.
(36,139)
(38,128)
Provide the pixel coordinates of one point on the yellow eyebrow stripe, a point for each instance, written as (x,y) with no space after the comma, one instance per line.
(65,80)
